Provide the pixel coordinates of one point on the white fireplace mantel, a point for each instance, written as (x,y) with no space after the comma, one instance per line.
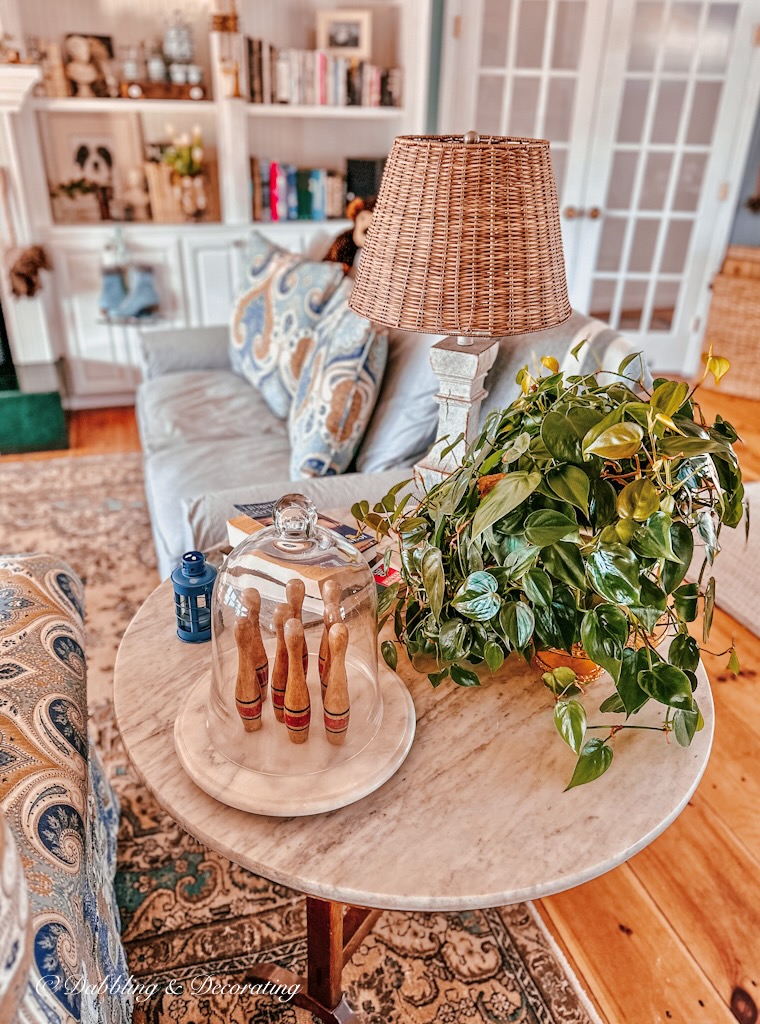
(16,82)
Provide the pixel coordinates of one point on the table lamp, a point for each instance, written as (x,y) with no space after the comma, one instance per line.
(465,241)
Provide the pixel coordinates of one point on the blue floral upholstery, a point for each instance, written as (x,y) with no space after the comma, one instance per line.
(272,333)
(337,390)
(56,801)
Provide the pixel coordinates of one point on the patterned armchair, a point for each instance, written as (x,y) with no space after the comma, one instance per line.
(61,957)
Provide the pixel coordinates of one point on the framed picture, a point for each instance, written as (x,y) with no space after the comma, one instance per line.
(345,33)
(88,65)
(98,149)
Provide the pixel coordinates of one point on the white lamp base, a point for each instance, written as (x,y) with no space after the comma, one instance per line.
(461,366)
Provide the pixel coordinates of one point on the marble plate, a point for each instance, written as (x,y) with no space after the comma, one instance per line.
(294,795)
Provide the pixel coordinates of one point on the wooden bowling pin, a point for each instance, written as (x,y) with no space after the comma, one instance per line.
(295,591)
(251,599)
(247,688)
(337,706)
(297,706)
(280,668)
(331,615)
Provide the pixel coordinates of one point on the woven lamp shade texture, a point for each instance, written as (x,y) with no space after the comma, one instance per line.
(465,239)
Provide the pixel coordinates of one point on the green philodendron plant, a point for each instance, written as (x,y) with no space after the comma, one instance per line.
(571,521)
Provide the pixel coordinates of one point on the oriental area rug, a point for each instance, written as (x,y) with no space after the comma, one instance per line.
(192,922)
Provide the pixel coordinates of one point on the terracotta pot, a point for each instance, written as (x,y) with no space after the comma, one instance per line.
(585,669)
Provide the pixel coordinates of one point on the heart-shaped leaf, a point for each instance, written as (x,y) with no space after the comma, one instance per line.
(559,435)
(595,758)
(653,540)
(638,500)
(433,579)
(494,656)
(667,684)
(685,600)
(477,597)
(683,548)
(603,503)
(537,587)
(390,655)
(669,396)
(452,640)
(709,609)
(684,652)
(631,694)
(620,441)
(509,492)
(570,720)
(464,676)
(571,484)
(685,726)
(546,526)
(604,631)
(601,425)
(614,572)
(518,623)
(564,562)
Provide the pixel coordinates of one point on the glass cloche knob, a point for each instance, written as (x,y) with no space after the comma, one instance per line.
(295,516)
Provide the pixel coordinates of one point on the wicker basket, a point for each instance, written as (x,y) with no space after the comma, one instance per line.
(733,323)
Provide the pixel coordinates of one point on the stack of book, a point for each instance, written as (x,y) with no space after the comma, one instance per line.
(282,191)
(316,78)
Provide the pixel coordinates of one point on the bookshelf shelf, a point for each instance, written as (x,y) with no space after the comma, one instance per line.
(325,111)
(70,104)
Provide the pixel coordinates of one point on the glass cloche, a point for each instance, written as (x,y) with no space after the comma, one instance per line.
(295,686)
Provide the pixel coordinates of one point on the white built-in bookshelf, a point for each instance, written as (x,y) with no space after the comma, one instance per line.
(198,265)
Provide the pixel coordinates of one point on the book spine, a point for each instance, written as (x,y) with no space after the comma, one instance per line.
(292,192)
(266,208)
(256,190)
(282,81)
(303,178)
(282,192)
(274,198)
(318,194)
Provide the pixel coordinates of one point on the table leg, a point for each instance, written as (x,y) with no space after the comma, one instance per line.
(333,934)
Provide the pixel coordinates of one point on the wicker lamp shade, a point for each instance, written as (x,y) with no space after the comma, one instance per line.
(465,239)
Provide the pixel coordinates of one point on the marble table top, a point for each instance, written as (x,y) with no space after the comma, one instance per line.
(475,817)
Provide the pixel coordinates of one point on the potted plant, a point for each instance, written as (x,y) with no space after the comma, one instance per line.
(569,527)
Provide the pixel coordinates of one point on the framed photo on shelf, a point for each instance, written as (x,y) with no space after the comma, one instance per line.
(98,150)
(88,65)
(345,33)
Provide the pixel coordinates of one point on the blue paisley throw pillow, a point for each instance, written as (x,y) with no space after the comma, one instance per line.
(336,391)
(272,333)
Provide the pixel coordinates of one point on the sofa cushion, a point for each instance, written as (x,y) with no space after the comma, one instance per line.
(54,798)
(337,390)
(403,426)
(201,405)
(175,475)
(274,321)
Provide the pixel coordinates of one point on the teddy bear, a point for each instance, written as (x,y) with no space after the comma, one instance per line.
(349,242)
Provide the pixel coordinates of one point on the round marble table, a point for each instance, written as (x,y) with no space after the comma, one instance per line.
(475,817)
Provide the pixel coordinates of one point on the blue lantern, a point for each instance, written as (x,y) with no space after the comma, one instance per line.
(193,583)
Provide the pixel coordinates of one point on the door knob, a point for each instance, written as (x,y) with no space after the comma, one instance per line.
(594,213)
(570,213)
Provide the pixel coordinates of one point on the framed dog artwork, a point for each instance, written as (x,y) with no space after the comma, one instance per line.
(88,162)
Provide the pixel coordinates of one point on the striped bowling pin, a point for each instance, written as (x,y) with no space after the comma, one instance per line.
(297,707)
(295,591)
(251,598)
(280,668)
(337,707)
(331,615)
(247,688)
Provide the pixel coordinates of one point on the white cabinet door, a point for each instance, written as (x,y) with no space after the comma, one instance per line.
(649,106)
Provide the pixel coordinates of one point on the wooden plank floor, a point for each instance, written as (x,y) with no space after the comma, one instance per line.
(673,936)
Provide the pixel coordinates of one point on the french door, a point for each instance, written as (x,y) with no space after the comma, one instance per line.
(649,106)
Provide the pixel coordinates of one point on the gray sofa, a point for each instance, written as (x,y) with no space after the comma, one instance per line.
(210,440)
